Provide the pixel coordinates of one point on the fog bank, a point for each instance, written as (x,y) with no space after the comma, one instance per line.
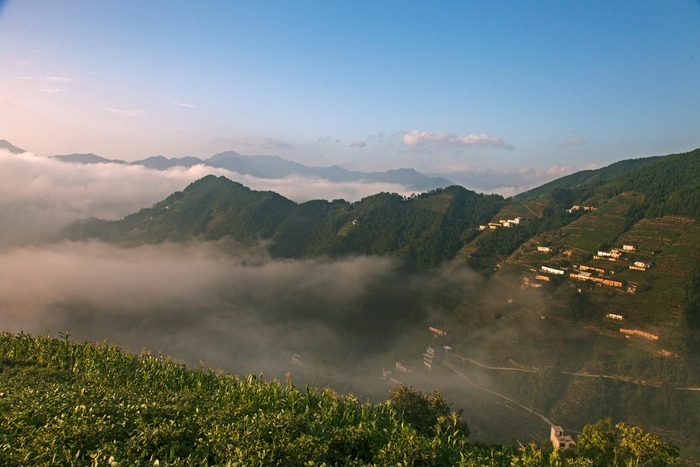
(39,196)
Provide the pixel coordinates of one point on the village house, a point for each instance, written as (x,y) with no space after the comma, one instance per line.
(591,268)
(637,332)
(544,249)
(575,208)
(560,441)
(583,276)
(640,266)
(527,282)
(552,270)
(629,247)
(615,317)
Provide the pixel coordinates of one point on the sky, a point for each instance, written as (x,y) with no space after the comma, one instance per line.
(497,96)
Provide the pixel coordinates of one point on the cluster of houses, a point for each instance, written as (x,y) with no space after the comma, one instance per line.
(435,354)
(594,274)
(575,208)
(615,254)
(501,223)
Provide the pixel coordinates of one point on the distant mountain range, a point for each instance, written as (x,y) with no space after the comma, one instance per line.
(272,167)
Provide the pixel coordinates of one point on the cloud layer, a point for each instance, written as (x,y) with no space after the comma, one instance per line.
(228,308)
(417,138)
(40,196)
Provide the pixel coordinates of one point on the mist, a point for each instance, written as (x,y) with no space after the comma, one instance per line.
(225,307)
(39,196)
(322,322)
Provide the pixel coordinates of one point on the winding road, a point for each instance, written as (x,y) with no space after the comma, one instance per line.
(581,375)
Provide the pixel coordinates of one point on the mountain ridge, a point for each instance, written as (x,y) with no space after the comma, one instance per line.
(272,167)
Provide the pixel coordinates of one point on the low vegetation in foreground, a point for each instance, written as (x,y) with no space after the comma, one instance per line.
(84,404)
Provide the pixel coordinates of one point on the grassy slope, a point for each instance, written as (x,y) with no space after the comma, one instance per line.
(65,403)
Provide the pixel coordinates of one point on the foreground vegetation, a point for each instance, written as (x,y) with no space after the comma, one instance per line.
(70,403)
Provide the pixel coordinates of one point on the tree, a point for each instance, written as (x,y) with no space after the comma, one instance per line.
(597,442)
(425,412)
(639,448)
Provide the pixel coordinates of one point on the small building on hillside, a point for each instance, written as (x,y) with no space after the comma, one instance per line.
(629,247)
(552,270)
(560,441)
(544,249)
(615,316)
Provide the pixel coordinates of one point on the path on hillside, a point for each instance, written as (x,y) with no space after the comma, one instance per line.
(528,208)
(582,375)
(505,368)
(497,394)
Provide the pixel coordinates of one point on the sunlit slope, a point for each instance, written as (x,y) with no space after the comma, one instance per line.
(564,296)
(424,230)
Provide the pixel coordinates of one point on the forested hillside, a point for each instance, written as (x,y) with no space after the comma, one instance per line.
(424,230)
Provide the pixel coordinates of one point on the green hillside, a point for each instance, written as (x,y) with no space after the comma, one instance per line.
(423,230)
(71,404)
(631,333)
(588,178)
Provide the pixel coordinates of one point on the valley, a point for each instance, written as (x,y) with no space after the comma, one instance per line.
(562,307)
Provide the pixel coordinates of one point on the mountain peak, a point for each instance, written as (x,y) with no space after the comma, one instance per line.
(88,158)
(6,145)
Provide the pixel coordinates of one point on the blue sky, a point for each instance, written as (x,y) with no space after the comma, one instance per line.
(497,93)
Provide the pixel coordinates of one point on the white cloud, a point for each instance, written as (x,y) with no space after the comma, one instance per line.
(561,170)
(358,144)
(58,79)
(39,196)
(575,142)
(182,104)
(127,112)
(50,90)
(417,138)
(504,181)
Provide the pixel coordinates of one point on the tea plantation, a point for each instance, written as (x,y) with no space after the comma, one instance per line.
(84,404)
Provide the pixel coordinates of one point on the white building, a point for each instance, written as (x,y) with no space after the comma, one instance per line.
(560,441)
(552,270)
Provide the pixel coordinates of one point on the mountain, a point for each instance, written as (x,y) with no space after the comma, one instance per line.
(86,159)
(588,178)
(163,163)
(423,230)
(276,167)
(6,145)
(669,184)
